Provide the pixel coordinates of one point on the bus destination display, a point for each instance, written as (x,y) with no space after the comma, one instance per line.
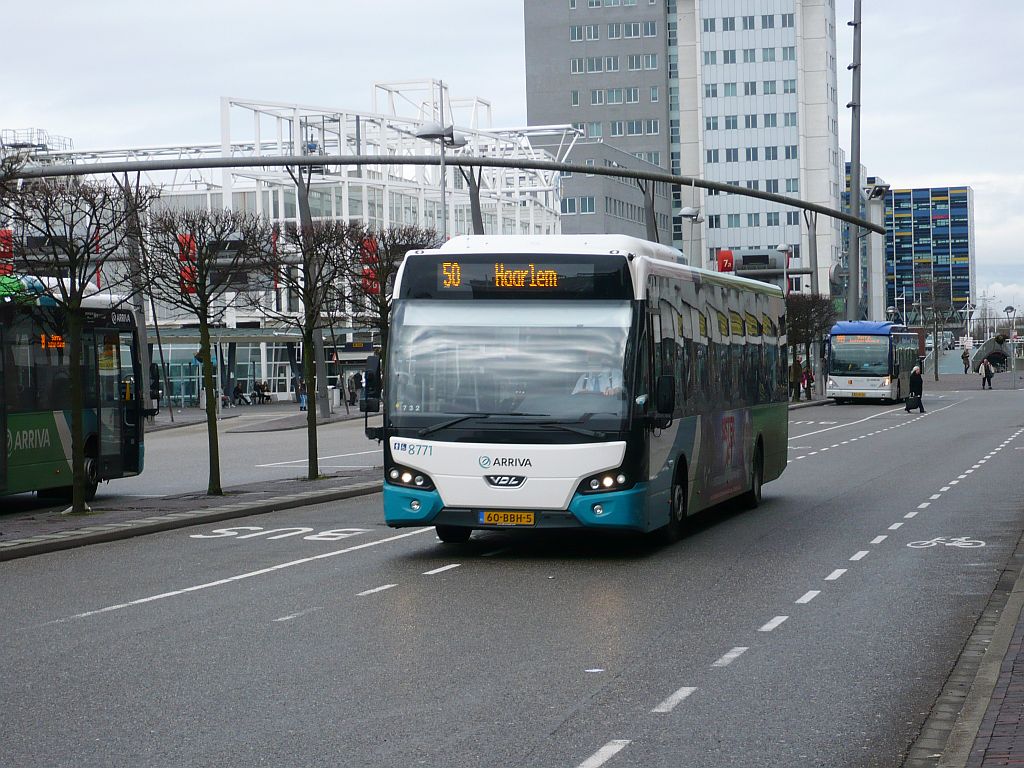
(526,276)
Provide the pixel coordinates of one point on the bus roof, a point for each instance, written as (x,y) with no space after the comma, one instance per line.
(865,328)
(580,244)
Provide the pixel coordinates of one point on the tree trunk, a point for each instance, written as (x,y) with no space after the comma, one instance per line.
(309,375)
(78,474)
(213,488)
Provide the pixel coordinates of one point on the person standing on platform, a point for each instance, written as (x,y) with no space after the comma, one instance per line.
(966,357)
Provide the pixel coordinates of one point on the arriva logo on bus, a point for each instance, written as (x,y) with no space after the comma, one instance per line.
(27,440)
(503,461)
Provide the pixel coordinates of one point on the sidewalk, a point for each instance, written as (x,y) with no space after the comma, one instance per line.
(271,417)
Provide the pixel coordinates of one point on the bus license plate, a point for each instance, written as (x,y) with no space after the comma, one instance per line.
(858,394)
(499,517)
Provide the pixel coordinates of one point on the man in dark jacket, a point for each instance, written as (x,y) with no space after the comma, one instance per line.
(916,388)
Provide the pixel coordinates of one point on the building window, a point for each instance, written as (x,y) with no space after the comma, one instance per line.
(753,219)
(768,87)
(633,62)
(634,127)
(729,89)
(611,3)
(792,217)
(594,130)
(650,29)
(731,122)
(710,123)
(767,54)
(789,53)
(710,90)
(787,20)
(593,3)
(709,25)
(750,121)
(714,221)
(614,95)
(595,64)
(789,86)
(732,220)
(568,205)
(748,22)
(710,57)
(771,153)
(732,155)
(767,21)
(710,155)
(750,88)
(771,218)
(575,33)
(614,31)
(791,153)
(751,154)
(673,130)
(771,120)
(575,66)
(728,23)
(729,57)
(652,126)
(749,55)
(633,95)
(593,32)
(753,184)
(596,97)
(771,185)
(631,29)
(611,63)
(789,119)
(572,5)
(587,204)
(574,98)
(617,128)
(792,185)
(655,94)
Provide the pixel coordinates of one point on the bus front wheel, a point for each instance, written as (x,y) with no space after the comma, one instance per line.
(453,534)
(676,527)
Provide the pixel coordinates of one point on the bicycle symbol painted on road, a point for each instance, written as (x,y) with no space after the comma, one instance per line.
(950,541)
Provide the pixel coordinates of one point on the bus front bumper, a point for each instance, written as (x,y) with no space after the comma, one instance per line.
(624,510)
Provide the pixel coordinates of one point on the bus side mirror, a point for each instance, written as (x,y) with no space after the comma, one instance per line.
(370,401)
(664,401)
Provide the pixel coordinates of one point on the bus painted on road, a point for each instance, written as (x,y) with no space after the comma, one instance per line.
(35,394)
(870,361)
(577,381)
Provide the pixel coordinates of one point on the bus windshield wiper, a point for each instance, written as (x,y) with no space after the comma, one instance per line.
(452,422)
(548,422)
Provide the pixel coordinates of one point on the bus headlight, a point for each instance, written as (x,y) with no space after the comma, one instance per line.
(886,381)
(831,384)
(410,478)
(612,480)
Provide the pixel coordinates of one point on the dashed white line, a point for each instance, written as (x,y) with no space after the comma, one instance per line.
(291,616)
(376,589)
(935,496)
(730,657)
(835,574)
(895,526)
(772,624)
(860,555)
(808,596)
(879,539)
(924,505)
(442,569)
(670,703)
(910,515)
(605,753)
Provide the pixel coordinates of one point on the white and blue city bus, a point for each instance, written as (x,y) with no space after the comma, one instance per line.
(577,381)
(870,361)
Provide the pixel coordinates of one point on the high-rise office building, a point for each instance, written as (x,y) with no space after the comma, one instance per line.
(929,253)
(737,92)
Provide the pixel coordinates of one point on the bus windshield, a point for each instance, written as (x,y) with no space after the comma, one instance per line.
(860,355)
(558,359)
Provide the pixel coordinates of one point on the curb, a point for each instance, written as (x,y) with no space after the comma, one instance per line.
(809,404)
(54,542)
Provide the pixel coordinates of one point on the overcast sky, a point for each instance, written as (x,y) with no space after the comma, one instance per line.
(942,103)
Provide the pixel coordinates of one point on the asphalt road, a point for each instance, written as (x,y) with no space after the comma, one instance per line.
(807,632)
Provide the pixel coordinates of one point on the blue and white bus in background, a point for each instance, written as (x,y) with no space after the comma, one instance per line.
(577,381)
(870,360)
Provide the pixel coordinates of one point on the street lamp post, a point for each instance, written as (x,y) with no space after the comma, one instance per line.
(445,136)
(1011,313)
(785,250)
(693,214)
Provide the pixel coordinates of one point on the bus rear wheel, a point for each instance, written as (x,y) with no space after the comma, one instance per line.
(453,534)
(752,498)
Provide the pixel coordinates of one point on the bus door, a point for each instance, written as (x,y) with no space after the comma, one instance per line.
(109,407)
(131,403)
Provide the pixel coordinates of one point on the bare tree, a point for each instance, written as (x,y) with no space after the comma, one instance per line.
(809,317)
(197,262)
(372,273)
(309,261)
(69,230)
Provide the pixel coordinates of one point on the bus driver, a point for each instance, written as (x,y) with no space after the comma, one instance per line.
(599,379)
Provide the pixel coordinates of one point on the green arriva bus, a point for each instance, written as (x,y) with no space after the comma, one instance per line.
(35,396)
(575,381)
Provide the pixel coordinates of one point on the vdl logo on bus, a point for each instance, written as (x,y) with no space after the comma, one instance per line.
(503,461)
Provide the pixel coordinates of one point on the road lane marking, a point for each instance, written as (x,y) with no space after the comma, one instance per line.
(375,589)
(442,569)
(670,703)
(935,496)
(895,526)
(860,555)
(924,504)
(840,426)
(808,596)
(910,515)
(291,616)
(879,539)
(730,657)
(605,753)
(943,489)
(772,624)
(320,458)
(835,574)
(239,577)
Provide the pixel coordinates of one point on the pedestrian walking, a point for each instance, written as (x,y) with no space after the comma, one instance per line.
(915,396)
(987,370)
(796,374)
(807,380)
(966,357)
(301,391)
